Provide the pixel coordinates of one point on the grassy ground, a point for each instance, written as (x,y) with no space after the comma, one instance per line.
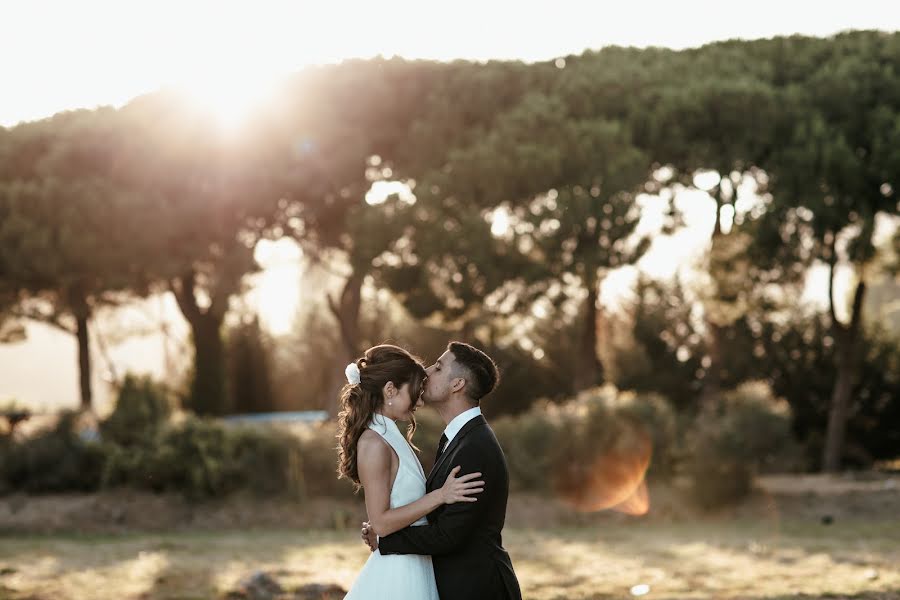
(705,559)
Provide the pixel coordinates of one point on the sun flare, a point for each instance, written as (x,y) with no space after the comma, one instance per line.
(230,98)
(277,292)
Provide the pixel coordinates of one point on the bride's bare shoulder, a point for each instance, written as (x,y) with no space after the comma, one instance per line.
(373,458)
(370,441)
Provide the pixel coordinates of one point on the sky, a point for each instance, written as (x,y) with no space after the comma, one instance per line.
(59,55)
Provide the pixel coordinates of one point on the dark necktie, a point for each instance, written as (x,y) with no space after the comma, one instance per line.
(441,445)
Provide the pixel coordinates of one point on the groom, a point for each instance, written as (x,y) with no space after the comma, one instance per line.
(463,538)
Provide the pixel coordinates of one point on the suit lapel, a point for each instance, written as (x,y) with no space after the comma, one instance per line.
(472,424)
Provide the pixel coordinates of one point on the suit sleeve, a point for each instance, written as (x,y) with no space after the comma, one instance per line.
(456,523)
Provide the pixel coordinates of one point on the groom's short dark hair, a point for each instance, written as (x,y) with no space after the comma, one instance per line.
(480,371)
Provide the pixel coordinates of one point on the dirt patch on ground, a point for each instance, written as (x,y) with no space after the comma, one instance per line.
(829,485)
(805,497)
(122,511)
(826,498)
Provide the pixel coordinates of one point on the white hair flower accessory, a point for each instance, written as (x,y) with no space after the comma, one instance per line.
(352,373)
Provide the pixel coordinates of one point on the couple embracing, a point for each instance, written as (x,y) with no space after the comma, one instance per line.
(436,536)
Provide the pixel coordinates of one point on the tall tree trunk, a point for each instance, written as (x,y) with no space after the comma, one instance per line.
(712,380)
(208,394)
(346,311)
(72,303)
(84,356)
(846,339)
(588,369)
(249,381)
(711,393)
(837,414)
(81,310)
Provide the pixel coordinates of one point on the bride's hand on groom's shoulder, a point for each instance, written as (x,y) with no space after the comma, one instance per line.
(461,489)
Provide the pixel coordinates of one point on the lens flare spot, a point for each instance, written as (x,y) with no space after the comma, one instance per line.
(642,589)
(614,479)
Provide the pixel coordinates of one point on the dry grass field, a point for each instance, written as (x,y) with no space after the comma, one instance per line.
(776,545)
(710,559)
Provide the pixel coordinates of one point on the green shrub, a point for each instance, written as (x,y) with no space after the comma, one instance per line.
(749,433)
(555,446)
(318,463)
(581,449)
(265,462)
(202,458)
(716,480)
(603,453)
(189,457)
(55,460)
(142,408)
(530,442)
(762,429)
(655,416)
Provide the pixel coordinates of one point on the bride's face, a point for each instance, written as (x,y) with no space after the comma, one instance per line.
(401,404)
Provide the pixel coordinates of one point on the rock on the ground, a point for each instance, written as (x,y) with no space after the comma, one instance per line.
(258,586)
(319,591)
(263,586)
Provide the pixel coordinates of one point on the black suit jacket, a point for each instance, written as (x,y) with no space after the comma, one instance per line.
(464,539)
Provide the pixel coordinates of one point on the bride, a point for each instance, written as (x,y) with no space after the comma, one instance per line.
(383,386)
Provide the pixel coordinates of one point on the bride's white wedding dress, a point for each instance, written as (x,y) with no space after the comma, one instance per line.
(398,576)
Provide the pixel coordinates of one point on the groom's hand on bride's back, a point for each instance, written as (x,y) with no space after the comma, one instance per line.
(368,537)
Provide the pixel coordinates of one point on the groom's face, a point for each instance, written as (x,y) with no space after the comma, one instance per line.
(440,378)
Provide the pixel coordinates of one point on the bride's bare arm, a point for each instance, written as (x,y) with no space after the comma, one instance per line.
(374,466)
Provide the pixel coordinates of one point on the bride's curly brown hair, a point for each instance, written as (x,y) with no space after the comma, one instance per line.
(360,401)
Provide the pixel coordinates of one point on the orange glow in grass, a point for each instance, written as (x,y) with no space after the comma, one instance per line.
(613,480)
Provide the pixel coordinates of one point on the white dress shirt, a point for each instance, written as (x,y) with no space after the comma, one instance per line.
(458,422)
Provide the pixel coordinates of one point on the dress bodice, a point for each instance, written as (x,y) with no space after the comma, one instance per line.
(409,484)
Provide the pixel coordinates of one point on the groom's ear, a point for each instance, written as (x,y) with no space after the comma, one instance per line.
(458,384)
